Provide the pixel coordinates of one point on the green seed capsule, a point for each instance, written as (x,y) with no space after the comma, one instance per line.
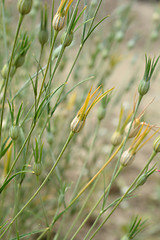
(43,37)
(19,61)
(156,145)
(101,113)
(14,132)
(143,87)
(37,168)
(142,180)
(4,71)
(68,40)
(24,6)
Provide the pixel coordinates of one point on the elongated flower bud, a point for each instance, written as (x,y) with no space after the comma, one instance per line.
(156,145)
(69,39)
(143,87)
(24,6)
(116,138)
(77,124)
(58,22)
(134,129)
(127,158)
(19,61)
(4,71)
(14,132)
(37,168)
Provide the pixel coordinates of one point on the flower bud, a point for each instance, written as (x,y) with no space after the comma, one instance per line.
(119,36)
(127,158)
(134,129)
(77,125)
(19,61)
(37,168)
(116,138)
(142,180)
(68,40)
(58,22)
(101,113)
(43,37)
(4,71)
(156,145)
(24,6)
(14,132)
(143,87)
(49,137)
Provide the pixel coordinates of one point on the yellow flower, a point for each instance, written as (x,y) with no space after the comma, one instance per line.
(60,16)
(79,121)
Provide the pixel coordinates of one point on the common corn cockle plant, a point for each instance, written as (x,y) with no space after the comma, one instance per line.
(39,195)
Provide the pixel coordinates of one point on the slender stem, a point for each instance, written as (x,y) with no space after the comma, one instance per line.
(4,30)
(41,200)
(40,187)
(47,67)
(122,198)
(36,80)
(9,68)
(94,207)
(96,175)
(82,208)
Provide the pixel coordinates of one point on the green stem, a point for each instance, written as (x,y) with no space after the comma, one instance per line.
(4,30)
(94,207)
(40,187)
(122,198)
(82,208)
(9,68)
(47,67)
(41,200)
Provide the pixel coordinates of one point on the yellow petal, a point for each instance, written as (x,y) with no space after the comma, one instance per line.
(97,100)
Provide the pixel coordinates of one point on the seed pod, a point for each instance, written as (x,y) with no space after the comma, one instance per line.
(142,180)
(156,145)
(134,129)
(143,87)
(24,6)
(116,138)
(101,113)
(68,40)
(119,36)
(77,125)
(58,22)
(127,158)
(37,168)
(14,132)
(19,61)
(49,137)
(43,37)
(4,71)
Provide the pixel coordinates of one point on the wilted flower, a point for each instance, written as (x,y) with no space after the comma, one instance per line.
(78,122)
